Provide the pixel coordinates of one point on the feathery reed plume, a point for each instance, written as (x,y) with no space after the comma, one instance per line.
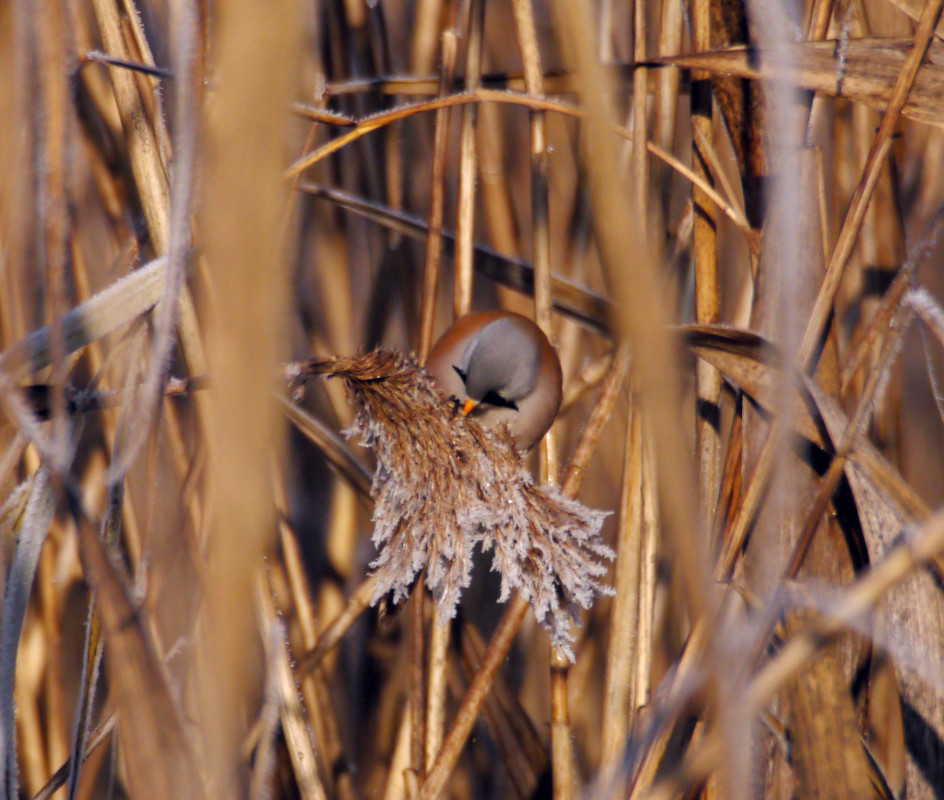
(443,484)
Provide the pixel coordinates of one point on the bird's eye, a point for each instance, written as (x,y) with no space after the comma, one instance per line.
(461,373)
(495,399)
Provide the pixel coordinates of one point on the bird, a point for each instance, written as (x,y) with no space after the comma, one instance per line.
(502,370)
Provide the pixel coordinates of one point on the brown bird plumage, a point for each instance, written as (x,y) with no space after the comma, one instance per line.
(503,370)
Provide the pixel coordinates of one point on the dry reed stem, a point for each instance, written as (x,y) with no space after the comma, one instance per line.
(334,449)
(321,715)
(495,184)
(462,304)
(645,633)
(599,416)
(517,729)
(256,50)
(521,777)
(267,722)
(624,616)
(666,103)
(180,198)
(577,388)
(400,780)
(106,311)
(427,722)
(436,685)
(162,761)
(468,166)
(437,192)
(61,775)
(707,288)
(562,763)
(655,749)
(293,723)
(54,171)
(866,337)
(332,635)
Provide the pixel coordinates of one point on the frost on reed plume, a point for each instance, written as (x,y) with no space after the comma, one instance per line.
(443,484)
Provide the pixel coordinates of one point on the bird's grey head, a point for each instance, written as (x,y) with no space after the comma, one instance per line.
(503,361)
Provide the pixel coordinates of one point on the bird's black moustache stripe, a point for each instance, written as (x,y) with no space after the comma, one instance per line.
(495,399)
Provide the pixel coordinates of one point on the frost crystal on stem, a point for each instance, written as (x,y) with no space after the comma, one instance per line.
(443,484)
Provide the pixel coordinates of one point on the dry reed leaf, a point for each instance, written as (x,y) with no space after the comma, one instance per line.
(444,484)
(826,752)
(864,70)
(913,611)
(886,502)
(586,306)
(752,363)
(913,9)
(885,732)
(110,309)
(158,752)
(25,517)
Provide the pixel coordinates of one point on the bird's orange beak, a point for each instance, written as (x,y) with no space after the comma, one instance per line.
(469,407)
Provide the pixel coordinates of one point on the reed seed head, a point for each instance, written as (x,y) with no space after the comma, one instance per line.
(444,484)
